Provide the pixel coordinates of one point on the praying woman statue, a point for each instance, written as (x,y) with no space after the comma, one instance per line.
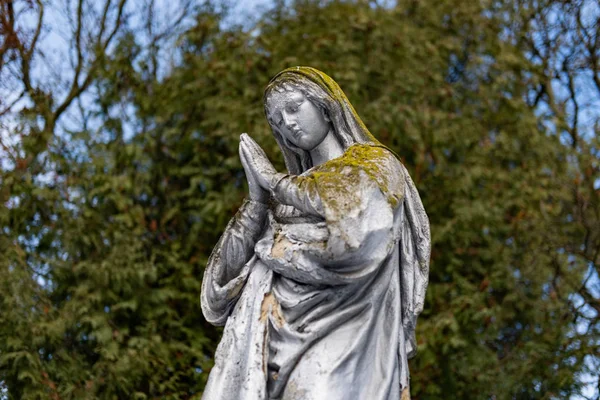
(320,276)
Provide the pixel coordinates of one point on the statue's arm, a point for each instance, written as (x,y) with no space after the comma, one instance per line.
(346,248)
(297,191)
(227,268)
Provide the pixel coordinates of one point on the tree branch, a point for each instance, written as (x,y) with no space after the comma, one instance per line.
(100,48)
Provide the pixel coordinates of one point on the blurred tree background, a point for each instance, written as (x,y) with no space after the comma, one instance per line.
(119,170)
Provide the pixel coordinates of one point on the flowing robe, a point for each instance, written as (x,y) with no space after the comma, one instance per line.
(319,295)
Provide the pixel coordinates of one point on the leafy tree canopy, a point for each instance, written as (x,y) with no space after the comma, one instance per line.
(117,181)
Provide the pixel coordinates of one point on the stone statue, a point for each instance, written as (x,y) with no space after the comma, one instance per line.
(320,276)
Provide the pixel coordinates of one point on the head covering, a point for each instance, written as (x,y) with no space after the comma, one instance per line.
(415,245)
(325,93)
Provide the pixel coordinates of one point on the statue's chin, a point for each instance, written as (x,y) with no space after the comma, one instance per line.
(305,143)
(301,142)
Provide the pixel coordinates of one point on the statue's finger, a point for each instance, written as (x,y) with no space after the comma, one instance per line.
(256,156)
(258,152)
(253,145)
(250,152)
(248,141)
(246,137)
(250,158)
(243,158)
(246,159)
(242,154)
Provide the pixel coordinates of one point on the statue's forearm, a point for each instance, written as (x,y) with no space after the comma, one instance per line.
(251,217)
(237,244)
(227,268)
(297,191)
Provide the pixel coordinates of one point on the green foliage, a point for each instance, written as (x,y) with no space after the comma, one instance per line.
(101,267)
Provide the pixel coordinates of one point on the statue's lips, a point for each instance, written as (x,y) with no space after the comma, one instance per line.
(297,132)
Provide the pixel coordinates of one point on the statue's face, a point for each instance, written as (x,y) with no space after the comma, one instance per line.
(297,118)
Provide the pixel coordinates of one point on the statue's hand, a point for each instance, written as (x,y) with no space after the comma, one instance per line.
(258,162)
(257,193)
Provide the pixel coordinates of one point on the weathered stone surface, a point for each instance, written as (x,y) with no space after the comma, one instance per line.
(320,276)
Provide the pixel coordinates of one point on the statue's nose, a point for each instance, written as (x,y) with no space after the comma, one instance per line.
(288,121)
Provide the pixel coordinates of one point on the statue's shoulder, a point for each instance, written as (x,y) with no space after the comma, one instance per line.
(379,164)
(371,156)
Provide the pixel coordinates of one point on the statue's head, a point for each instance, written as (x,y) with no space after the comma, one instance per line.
(303,105)
(297,112)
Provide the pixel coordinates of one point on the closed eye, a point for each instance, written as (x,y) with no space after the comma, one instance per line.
(275,122)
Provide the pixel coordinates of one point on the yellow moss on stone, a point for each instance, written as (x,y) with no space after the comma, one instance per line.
(336,180)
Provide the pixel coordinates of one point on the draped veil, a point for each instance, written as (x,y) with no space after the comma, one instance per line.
(415,247)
